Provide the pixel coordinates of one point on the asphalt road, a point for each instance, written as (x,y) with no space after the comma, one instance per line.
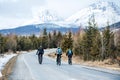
(28,68)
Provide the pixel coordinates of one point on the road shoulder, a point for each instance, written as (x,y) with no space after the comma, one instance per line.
(8,68)
(95,65)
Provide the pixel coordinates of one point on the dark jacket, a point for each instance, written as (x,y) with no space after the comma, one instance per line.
(40,51)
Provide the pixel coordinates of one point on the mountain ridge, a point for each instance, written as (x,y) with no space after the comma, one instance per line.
(36,29)
(103,11)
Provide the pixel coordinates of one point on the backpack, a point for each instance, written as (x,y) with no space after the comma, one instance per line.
(59,51)
(69,52)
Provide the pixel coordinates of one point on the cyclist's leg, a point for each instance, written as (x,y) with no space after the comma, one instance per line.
(57,59)
(40,58)
(70,59)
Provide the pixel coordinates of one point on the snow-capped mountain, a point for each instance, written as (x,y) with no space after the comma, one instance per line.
(36,28)
(103,11)
(46,16)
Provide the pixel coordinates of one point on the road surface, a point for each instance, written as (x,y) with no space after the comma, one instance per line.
(28,68)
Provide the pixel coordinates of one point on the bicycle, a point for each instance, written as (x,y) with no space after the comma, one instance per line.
(58,60)
(69,60)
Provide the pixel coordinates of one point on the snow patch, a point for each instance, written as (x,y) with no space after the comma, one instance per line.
(0,74)
(44,15)
(4,60)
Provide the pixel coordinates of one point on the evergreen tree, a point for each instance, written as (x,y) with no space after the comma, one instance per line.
(34,42)
(59,38)
(91,41)
(45,39)
(54,39)
(78,43)
(96,47)
(27,44)
(2,44)
(118,47)
(45,32)
(70,40)
(24,43)
(67,41)
(112,54)
(19,44)
(108,42)
(49,40)
(118,43)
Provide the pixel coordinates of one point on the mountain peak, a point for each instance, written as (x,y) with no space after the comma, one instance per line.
(46,16)
(104,5)
(103,11)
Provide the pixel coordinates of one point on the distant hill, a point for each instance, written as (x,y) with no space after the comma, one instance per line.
(36,28)
(113,26)
(116,25)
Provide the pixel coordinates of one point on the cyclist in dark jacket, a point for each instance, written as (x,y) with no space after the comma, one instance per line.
(40,53)
(69,54)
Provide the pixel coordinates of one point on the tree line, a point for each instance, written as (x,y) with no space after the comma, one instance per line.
(12,42)
(90,43)
(93,44)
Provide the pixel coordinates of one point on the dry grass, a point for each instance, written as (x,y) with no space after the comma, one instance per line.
(101,64)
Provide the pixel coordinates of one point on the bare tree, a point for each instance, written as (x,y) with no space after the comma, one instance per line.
(11,42)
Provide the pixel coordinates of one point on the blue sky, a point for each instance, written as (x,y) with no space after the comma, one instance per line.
(21,12)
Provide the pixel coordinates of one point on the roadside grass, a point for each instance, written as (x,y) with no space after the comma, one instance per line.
(100,64)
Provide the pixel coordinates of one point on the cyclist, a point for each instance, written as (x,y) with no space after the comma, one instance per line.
(69,54)
(40,53)
(59,53)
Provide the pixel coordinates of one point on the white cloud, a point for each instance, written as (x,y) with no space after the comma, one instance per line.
(1,1)
(12,22)
(18,12)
